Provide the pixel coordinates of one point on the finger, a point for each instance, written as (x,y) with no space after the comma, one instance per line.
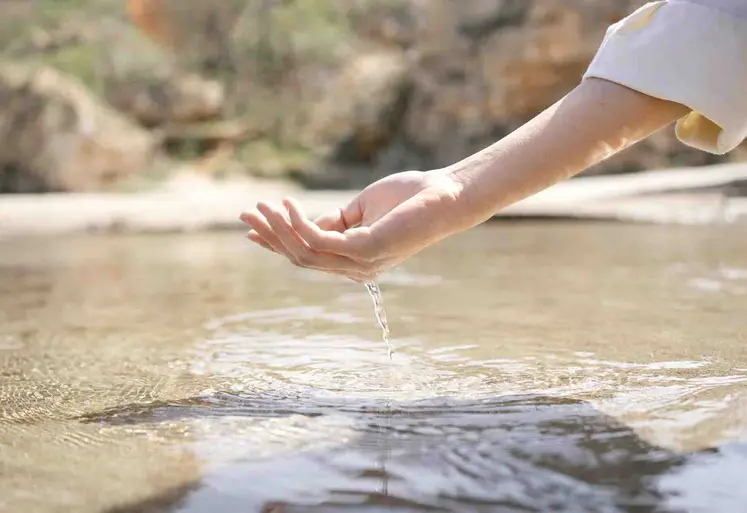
(318,239)
(259,224)
(254,237)
(331,221)
(349,275)
(361,278)
(339,220)
(296,247)
(303,254)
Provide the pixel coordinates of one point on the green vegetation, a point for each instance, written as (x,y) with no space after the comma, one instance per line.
(272,56)
(267,158)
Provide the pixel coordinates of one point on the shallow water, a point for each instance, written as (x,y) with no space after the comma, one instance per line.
(539,367)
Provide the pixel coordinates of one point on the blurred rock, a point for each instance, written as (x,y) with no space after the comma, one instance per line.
(484,67)
(56,136)
(169,98)
(148,82)
(475,70)
(388,24)
(359,117)
(198,30)
(335,94)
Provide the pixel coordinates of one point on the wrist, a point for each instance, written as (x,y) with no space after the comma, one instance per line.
(474,198)
(455,208)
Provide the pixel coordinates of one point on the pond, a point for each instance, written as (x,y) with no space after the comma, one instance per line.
(538,366)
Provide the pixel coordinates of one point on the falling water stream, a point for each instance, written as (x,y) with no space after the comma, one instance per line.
(375,291)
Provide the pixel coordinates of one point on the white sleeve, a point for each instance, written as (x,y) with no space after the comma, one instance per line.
(688,53)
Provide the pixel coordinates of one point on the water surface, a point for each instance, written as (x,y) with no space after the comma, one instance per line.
(539,367)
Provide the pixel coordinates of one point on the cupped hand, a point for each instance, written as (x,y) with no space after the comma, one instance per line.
(389,221)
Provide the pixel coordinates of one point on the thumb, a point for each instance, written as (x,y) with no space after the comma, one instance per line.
(341,219)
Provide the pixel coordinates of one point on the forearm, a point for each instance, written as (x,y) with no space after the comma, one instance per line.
(594,121)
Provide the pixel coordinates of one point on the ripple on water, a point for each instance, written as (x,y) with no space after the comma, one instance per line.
(437,427)
(327,421)
(341,363)
(526,452)
(266,408)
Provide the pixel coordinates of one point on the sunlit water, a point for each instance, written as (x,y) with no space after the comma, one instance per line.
(539,367)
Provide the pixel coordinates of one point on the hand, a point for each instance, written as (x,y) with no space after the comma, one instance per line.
(389,221)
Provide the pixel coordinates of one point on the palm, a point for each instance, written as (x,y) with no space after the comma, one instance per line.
(381,197)
(387,222)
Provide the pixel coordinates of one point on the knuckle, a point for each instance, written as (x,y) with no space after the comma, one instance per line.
(294,260)
(302,260)
(314,242)
(306,258)
(274,220)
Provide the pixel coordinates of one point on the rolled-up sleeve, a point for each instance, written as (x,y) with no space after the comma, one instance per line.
(686,52)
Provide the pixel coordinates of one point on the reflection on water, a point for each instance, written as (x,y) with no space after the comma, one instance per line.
(540,368)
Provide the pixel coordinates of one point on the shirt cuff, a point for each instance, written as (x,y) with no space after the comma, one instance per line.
(689,54)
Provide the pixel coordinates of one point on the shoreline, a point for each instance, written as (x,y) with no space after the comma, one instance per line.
(190,202)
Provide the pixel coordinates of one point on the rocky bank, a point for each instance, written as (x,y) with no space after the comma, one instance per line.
(403,84)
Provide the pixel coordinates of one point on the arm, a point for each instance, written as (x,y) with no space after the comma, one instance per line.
(688,56)
(593,122)
(404,213)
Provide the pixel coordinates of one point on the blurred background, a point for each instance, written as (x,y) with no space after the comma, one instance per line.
(575,366)
(99,95)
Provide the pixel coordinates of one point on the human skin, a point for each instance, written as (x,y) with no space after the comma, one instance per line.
(404,213)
